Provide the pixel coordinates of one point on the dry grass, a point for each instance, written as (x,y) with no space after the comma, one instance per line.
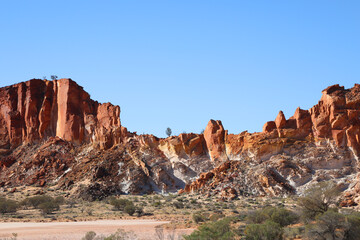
(178,209)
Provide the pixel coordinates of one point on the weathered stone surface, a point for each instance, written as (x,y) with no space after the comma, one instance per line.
(280,120)
(51,132)
(269,127)
(38,109)
(214,135)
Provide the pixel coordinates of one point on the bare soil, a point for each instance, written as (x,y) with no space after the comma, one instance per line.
(144,229)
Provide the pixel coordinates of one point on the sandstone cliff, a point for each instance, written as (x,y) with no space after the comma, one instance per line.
(51,132)
(38,109)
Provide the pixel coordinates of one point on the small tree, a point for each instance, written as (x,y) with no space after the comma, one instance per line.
(53,77)
(48,207)
(168,132)
(318,199)
(8,206)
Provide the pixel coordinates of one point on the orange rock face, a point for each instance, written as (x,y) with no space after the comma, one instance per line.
(214,135)
(38,109)
(70,137)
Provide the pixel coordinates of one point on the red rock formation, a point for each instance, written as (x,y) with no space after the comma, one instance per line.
(64,130)
(38,109)
(214,135)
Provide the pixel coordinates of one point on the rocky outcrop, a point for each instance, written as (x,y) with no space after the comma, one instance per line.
(332,124)
(39,109)
(51,132)
(214,135)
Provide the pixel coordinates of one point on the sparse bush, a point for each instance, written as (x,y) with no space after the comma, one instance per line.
(178,205)
(219,230)
(353,230)
(119,235)
(36,200)
(48,207)
(89,236)
(130,209)
(60,200)
(198,218)
(318,199)
(8,206)
(294,232)
(266,231)
(120,204)
(139,211)
(280,215)
(216,216)
(334,225)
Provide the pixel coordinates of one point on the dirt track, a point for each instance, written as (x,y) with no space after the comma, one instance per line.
(144,229)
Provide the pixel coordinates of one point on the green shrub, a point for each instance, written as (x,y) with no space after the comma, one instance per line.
(8,206)
(36,201)
(48,207)
(334,225)
(293,232)
(266,231)
(130,209)
(60,200)
(139,211)
(120,204)
(219,230)
(280,215)
(198,217)
(178,205)
(353,229)
(216,216)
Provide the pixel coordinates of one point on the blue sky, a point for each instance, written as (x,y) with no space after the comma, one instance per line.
(178,64)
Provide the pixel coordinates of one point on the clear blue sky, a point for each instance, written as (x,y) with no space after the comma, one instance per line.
(178,64)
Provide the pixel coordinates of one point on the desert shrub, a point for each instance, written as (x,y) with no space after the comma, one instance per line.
(216,216)
(353,229)
(139,211)
(130,209)
(36,200)
(157,204)
(219,230)
(119,235)
(178,205)
(334,225)
(317,199)
(8,206)
(71,203)
(294,232)
(280,215)
(60,200)
(198,217)
(193,201)
(120,204)
(48,207)
(89,236)
(266,231)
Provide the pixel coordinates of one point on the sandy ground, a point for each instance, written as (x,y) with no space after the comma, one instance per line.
(144,229)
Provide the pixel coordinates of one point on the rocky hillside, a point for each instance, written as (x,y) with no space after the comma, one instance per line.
(52,133)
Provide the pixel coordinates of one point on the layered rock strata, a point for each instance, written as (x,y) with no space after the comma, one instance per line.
(51,132)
